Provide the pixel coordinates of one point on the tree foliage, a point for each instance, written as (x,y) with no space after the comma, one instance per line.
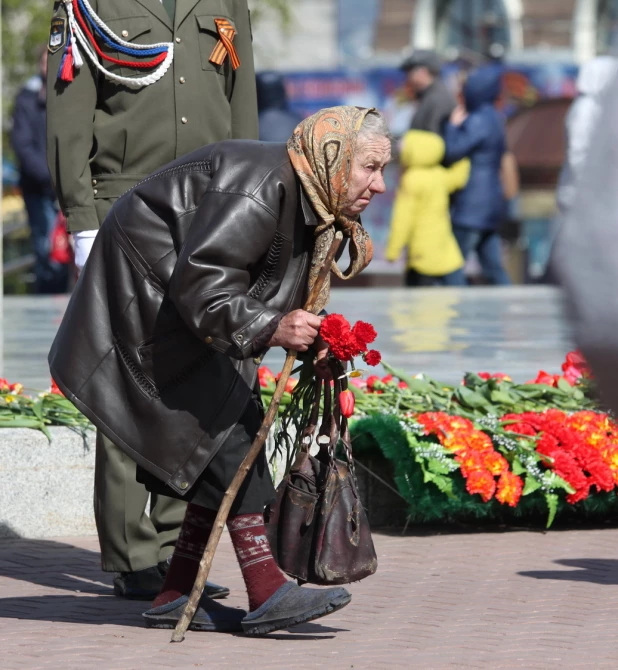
(25,26)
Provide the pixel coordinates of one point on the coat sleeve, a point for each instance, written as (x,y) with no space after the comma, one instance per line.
(31,159)
(462,140)
(402,220)
(243,100)
(70,125)
(229,234)
(457,175)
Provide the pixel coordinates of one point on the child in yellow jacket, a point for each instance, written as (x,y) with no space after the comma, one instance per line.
(421,220)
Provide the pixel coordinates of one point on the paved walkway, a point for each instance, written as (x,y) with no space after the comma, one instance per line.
(491,600)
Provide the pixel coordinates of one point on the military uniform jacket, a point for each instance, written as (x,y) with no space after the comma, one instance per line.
(103,137)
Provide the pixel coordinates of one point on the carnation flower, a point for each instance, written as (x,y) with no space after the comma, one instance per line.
(345,348)
(500,376)
(545,378)
(481,482)
(372,357)
(371,380)
(334,327)
(495,462)
(364,333)
(335,331)
(509,489)
(469,462)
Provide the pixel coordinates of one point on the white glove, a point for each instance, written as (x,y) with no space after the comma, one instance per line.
(83,242)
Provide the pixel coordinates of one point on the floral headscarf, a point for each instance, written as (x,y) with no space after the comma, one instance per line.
(321,151)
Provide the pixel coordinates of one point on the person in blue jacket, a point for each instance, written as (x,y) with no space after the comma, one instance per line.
(28,140)
(478,133)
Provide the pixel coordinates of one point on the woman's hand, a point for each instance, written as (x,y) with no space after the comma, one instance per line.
(296,330)
(458,115)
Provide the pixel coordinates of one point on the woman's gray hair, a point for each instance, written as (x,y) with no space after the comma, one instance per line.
(374,124)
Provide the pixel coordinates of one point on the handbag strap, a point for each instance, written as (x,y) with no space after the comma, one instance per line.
(334,426)
(309,430)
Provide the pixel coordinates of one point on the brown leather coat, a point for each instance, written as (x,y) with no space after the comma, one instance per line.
(190,266)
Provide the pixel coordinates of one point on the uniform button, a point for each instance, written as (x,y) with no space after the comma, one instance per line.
(184,119)
(257,360)
(125,33)
(184,485)
(94,182)
(178,40)
(95,191)
(238,338)
(208,340)
(182,80)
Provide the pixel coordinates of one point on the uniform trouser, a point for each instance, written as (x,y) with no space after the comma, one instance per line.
(130,539)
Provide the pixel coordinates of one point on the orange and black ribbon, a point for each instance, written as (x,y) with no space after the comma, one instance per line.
(224,46)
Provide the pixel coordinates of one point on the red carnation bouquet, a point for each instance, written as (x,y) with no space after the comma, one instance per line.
(314,397)
(346,342)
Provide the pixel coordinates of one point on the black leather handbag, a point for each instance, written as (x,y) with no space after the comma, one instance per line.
(317,528)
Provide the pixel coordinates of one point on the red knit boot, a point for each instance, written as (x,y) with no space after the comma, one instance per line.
(194,534)
(259,570)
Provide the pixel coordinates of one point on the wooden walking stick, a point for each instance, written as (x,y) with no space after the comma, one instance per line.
(258,443)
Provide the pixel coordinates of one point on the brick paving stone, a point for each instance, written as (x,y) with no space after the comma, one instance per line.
(463,600)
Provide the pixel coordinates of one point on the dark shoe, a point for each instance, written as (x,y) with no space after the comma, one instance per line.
(211,590)
(210,616)
(139,585)
(291,605)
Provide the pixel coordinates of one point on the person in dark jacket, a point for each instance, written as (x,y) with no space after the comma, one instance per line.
(478,133)
(194,274)
(29,143)
(434,101)
(276,120)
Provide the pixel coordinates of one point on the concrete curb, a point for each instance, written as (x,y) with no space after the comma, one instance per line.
(46,487)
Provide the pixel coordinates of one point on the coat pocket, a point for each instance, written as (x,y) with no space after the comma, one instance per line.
(208,39)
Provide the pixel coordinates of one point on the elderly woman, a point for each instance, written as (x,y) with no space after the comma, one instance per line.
(195,273)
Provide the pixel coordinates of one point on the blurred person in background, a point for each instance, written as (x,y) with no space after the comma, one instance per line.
(421,220)
(28,141)
(434,101)
(478,133)
(586,248)
(276,120)
(581,120)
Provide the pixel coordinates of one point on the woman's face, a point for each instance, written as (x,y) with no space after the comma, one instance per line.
(367,173)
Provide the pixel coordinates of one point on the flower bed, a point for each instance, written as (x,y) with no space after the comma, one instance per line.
(487,448)
(41,410)
(490,448)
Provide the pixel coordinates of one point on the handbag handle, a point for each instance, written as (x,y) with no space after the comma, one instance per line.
(309,431)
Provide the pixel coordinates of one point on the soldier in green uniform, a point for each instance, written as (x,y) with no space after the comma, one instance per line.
(104,135)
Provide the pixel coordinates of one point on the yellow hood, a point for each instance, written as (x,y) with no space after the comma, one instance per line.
(421,149)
